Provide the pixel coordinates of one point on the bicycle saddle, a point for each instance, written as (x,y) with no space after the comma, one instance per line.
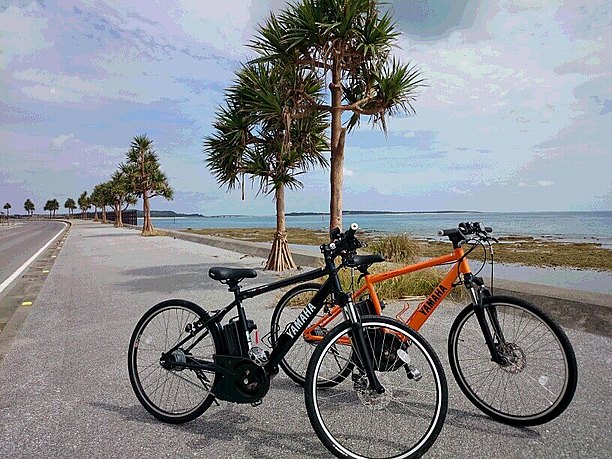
(224,274)
(365,260)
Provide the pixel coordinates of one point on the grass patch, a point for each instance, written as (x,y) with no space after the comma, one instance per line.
(294,235)
(400,248)
(533,252)
(155,233)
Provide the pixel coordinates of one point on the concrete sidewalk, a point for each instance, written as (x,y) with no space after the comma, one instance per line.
(65,392)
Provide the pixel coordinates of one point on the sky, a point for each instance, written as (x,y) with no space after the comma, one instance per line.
(516,114)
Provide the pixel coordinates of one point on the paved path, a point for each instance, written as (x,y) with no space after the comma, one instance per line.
(21,240)
(64,388)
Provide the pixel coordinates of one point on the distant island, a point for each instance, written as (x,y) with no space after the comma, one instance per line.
(166,213)
(171,214)
(393,212)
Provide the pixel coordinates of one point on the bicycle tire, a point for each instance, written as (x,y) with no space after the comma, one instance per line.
(524,391)
(295,362)
(146,346)
(354,417)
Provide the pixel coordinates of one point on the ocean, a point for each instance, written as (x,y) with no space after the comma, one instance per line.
(566,226)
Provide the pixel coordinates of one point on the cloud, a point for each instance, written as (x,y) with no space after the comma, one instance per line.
(60,140)
(461,192)
(21,33)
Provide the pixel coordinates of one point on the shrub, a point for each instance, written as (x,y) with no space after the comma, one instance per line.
(400,248)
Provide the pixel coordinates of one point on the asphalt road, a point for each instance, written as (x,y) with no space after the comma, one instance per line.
(21,240)
(65,392)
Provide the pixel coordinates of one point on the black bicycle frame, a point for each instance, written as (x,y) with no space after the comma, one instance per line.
(293,331)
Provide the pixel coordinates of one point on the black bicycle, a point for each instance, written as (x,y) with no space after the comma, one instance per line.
(375,388)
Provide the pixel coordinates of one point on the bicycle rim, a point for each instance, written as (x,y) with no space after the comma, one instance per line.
(171,394)
(539,378)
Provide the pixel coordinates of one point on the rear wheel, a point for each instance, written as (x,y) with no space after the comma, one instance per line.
(169,391)
(536,381)
(353,421)
(295,362)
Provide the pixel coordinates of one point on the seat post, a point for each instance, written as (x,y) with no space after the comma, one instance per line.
(234,286)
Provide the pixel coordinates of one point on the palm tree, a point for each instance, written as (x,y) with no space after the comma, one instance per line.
(94,199)
(101,197)
(54,206)
(29,207)
(119,191)
(48,207)
(7,206)
(70,205)
(84,204)
(262,133)
(145,177)
(348,42)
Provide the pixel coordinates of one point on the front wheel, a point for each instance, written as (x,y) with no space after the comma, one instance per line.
(353,421)
(537,377)
(169,391)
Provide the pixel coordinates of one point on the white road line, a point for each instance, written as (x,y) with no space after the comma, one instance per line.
(14,276)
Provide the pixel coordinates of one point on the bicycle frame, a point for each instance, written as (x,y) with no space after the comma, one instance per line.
(294,330)
(425,309)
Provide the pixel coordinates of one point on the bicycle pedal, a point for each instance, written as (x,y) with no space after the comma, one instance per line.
(257,403)
(413,373)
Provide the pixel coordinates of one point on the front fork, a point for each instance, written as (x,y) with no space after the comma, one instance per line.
(478,291)
(360,345)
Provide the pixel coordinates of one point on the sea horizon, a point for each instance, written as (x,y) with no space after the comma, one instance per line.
(583,226)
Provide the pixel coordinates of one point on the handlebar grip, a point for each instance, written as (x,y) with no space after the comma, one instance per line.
(447,232)
(350,233)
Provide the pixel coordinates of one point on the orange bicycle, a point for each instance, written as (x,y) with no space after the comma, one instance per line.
(508,357)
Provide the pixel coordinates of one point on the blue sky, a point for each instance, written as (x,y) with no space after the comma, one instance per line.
(515,117)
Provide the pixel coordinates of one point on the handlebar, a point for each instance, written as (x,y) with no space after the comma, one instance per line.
(458,235)
(343,243)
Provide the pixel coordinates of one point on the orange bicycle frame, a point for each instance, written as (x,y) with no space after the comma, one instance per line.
(423,310)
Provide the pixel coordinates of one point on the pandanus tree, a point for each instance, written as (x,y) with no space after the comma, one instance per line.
(262,133)
(101,197)
(70,205)
(52,205)
(84,204)
(120,194)
(146,179)
(94,199)
(7,206)
(346,42)
(29,207)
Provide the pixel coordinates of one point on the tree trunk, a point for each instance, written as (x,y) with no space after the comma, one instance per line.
(147,226)
(104,215)
(118,220)
(338,134)
(95,214)
(280,257)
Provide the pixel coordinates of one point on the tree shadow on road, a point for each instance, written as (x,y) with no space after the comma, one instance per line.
(170,278)
(229,424)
